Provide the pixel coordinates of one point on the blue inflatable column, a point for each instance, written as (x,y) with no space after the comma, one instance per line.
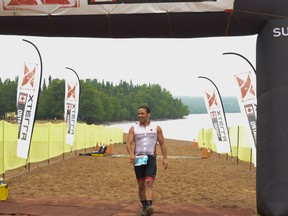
(272,118)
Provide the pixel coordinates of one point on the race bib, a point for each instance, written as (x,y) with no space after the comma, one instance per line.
(141,160)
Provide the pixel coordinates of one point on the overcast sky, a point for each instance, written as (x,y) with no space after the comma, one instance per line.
(175,64)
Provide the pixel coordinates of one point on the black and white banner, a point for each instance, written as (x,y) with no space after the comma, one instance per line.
(214,108)
(248,103)
(27,94)
(71,106)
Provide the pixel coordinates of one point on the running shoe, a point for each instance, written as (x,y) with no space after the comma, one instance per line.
(149,211)
(143,212)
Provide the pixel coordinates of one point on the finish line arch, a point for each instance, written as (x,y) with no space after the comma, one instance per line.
(135,18)
(187,19)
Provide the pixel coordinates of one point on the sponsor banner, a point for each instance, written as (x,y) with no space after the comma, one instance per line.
(215,110)
(248,103)
(141,1)
(71,108)
(27,94)
(103,1)
(88,7)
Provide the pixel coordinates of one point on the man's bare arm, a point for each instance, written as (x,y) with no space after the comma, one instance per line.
(163,147)
(129,143)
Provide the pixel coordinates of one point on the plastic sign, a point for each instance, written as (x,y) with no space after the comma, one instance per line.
(91,7)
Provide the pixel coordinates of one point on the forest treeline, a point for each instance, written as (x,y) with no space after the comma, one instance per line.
(99,101)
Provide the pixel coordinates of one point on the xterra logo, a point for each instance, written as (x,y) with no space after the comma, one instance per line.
(282,31)
(24,4)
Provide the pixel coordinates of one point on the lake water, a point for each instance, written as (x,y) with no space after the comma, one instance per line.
(188,128)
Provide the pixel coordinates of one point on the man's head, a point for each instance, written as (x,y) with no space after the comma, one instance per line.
(145,107)
(144,114)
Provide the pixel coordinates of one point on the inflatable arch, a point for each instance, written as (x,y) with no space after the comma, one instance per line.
(188,19)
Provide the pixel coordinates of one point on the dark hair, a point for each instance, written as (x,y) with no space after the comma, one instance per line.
(145,107)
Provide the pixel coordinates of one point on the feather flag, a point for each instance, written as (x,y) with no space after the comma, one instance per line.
(27,92)
(72,87)
(247,98)
(218,121)
(29,83)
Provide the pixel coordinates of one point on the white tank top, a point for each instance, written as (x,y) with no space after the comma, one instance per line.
(145,139)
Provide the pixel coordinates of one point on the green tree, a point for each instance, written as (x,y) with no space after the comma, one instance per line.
(90,103)
(101,101)
(53,100)
(44,86)
(8,92)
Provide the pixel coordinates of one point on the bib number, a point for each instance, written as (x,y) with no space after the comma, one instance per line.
(141,160)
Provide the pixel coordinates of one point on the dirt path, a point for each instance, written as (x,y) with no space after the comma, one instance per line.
(216,182)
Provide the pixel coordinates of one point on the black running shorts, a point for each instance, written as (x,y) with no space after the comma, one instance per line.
(147,171)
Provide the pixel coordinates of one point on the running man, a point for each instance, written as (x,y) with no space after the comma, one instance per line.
(145,135)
